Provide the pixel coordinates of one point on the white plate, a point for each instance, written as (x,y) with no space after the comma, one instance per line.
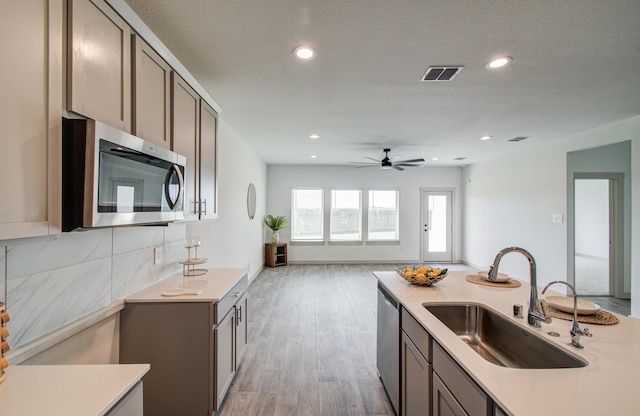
(501,278)
(565,304)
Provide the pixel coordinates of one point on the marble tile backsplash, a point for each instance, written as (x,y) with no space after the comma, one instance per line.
(52,283)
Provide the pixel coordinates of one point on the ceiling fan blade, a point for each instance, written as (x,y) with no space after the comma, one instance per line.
(410,161)
(370,158)
(365,163)
(365,166)
(396,167)
(411,165)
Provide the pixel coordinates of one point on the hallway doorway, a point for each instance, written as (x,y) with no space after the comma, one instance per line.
(598,243)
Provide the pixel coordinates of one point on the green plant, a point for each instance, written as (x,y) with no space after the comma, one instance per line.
(275,222)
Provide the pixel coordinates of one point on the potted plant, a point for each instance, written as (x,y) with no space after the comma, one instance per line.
(275,223)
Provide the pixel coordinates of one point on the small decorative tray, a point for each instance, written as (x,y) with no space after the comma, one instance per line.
(422,275)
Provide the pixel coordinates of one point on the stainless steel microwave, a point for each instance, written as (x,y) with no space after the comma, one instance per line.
(112,178)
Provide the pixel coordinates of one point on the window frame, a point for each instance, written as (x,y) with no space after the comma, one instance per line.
(357,240)
(383,241)
(320,240)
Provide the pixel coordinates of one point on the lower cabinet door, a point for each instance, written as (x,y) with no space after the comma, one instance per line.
(415,380)
(225,360)
(444,404)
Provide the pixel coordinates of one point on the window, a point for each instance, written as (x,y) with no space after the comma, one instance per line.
(307,222)
(346,215)
(383,216)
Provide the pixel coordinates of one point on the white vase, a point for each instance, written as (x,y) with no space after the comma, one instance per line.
(275,237)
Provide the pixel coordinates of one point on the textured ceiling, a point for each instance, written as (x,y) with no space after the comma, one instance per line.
(575,67)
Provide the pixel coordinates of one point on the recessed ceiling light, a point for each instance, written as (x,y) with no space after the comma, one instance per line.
(314,157)
(314,136)
(305,53)
(486,137)
(498,62)
(434,158)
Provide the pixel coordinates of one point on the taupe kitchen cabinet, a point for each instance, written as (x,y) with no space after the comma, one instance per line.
(185,137)
(31,116)
(194,129)
(444,403)
(208,163)
(99,63)
(194,348)
(415,368)
(231,341)
(454,389)
(151,85)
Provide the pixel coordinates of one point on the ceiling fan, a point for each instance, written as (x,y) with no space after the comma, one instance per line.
(389,163)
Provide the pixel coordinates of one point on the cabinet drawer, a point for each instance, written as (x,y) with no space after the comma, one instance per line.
(226,303)
(418,335)
(472,398)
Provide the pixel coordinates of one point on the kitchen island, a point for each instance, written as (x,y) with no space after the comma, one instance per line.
(605,386)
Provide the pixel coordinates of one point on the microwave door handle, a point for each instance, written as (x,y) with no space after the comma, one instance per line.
(176,169)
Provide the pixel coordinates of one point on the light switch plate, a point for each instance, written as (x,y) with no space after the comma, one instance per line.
(157,255)
(557,218)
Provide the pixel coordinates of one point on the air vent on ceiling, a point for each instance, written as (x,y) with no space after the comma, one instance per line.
(518,139)
(460,158)
(441,73)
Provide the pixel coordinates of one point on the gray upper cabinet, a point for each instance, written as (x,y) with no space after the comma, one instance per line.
(99,63)
(151,95)
(30,116)
(193,134)
(185,138)
(208,161)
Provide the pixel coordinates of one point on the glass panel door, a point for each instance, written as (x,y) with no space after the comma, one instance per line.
(436,222)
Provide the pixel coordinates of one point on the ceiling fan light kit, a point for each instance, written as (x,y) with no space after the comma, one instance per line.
(388,163)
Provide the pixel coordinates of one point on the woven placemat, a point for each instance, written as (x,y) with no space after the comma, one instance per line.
(601,317)
(477,279)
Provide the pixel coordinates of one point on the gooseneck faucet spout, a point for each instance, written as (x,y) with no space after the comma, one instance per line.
(535,314)
(575,331)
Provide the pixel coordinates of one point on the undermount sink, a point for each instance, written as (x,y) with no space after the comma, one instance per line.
(499,340)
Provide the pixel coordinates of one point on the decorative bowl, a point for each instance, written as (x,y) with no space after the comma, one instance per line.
(422,275)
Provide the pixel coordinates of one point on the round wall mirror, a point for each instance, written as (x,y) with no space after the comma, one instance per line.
(251,201)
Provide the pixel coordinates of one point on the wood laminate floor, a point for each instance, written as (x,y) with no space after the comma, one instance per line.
(312,344)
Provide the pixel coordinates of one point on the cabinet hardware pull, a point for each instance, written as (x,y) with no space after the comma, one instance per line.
(204,201)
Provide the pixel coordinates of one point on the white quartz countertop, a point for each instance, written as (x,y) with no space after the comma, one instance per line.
(66,390)
(606,386)
(215,284)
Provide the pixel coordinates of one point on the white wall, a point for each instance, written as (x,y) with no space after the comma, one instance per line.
(592,218)
(234,240)
(282,178)
(511,200)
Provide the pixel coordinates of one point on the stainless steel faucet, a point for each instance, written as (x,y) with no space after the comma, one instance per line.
(575,331)
(535,314)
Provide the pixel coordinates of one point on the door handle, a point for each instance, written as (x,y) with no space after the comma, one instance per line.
(167,192)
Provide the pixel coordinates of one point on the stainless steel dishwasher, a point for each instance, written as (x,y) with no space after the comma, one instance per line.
(388,352)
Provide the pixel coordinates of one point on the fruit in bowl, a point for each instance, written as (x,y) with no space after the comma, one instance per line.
(422,275)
